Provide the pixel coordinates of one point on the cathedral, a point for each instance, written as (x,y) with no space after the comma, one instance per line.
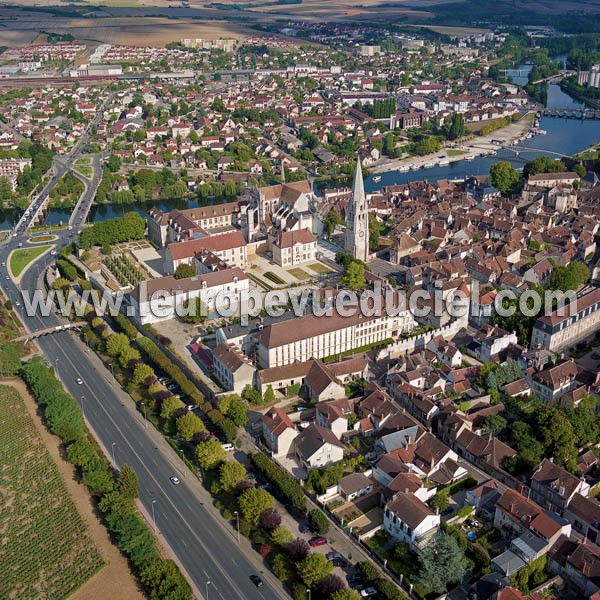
(356,241)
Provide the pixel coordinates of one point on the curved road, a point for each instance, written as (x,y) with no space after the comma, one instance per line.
(204,544)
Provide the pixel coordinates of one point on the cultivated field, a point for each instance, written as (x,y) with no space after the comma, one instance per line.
(136,31)
(47,551)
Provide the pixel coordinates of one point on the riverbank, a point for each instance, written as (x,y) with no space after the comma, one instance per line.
(471,148)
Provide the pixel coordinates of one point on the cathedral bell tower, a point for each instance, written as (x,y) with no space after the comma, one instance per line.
(356,241)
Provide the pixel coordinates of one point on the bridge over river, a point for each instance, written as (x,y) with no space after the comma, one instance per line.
(572,113)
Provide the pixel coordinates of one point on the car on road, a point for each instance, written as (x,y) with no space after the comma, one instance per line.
(79,381)
(256,580)
(318,540)
(174,480)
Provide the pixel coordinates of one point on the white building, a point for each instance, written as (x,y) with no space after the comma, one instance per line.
(163,298)
(278,431)
(409,520)
(232,368)
(294,248)
(313,336)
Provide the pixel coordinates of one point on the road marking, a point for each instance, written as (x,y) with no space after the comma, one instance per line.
(218,568)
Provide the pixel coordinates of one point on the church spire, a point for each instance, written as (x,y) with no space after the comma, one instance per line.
(356,241)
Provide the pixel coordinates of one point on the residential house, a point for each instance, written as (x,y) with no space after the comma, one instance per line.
(317,447)
(278,432)
(408,519)
(553,487)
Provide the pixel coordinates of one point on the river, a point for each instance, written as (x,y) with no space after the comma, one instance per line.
(567,136)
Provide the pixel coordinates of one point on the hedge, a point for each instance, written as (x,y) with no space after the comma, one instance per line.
(125,326)
(289,488)
(132,534)
(164,364)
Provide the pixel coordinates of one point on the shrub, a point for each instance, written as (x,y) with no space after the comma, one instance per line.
(319,522)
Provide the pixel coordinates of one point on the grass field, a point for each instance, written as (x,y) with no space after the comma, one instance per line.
(299,274)
(453,153)
(20,259)
(319,268)
(84,170)
(46,549)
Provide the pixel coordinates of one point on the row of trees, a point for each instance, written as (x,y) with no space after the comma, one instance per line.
(160,578)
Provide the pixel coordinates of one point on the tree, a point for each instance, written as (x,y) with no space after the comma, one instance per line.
(127,482)
(142,373)
(369,571)
(169,406)
(457,126)
(270,519)
(6,190)
(235,408)
(282,567)
(569,277)
(282,536)
(10,362)
(253,503)
(354,277)
(494,424)
(128,356)
(441,562)
(116,344)
(506,179)
(313,569)
(543,164)
(164,580)
(252,395)
(269,395)
(319,522)
(298,549)
(557,435)
(183,271)
(584,421)
(231,473)
(345,594)
(98,480)
(188,425)
(375,229)
(332,583)
(210,454)
(440,501)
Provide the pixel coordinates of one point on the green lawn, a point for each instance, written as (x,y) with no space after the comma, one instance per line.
(47,551)
(299,274)
(38,239)
(85,171)
(83,161)
(20,259)
(456,152)
(319,268)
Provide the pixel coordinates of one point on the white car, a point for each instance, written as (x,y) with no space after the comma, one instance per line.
(79,381)
(368,592)
(175,480)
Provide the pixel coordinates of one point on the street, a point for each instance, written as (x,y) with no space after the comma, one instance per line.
(203,543)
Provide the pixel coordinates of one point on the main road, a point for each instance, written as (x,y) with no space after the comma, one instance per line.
(204,545)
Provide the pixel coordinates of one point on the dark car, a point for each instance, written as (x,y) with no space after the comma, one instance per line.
(303,527)
(318,540)
(256,580)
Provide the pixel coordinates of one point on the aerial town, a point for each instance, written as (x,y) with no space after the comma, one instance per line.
(311,311)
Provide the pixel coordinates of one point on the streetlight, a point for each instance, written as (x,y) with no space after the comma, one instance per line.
(309,593)
(206,592)
(143,404)
(82,407)
(113,453)
(153,519)
(112,373)
(237,517)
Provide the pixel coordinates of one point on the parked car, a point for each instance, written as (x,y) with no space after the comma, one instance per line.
(318,540)
(368,592)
